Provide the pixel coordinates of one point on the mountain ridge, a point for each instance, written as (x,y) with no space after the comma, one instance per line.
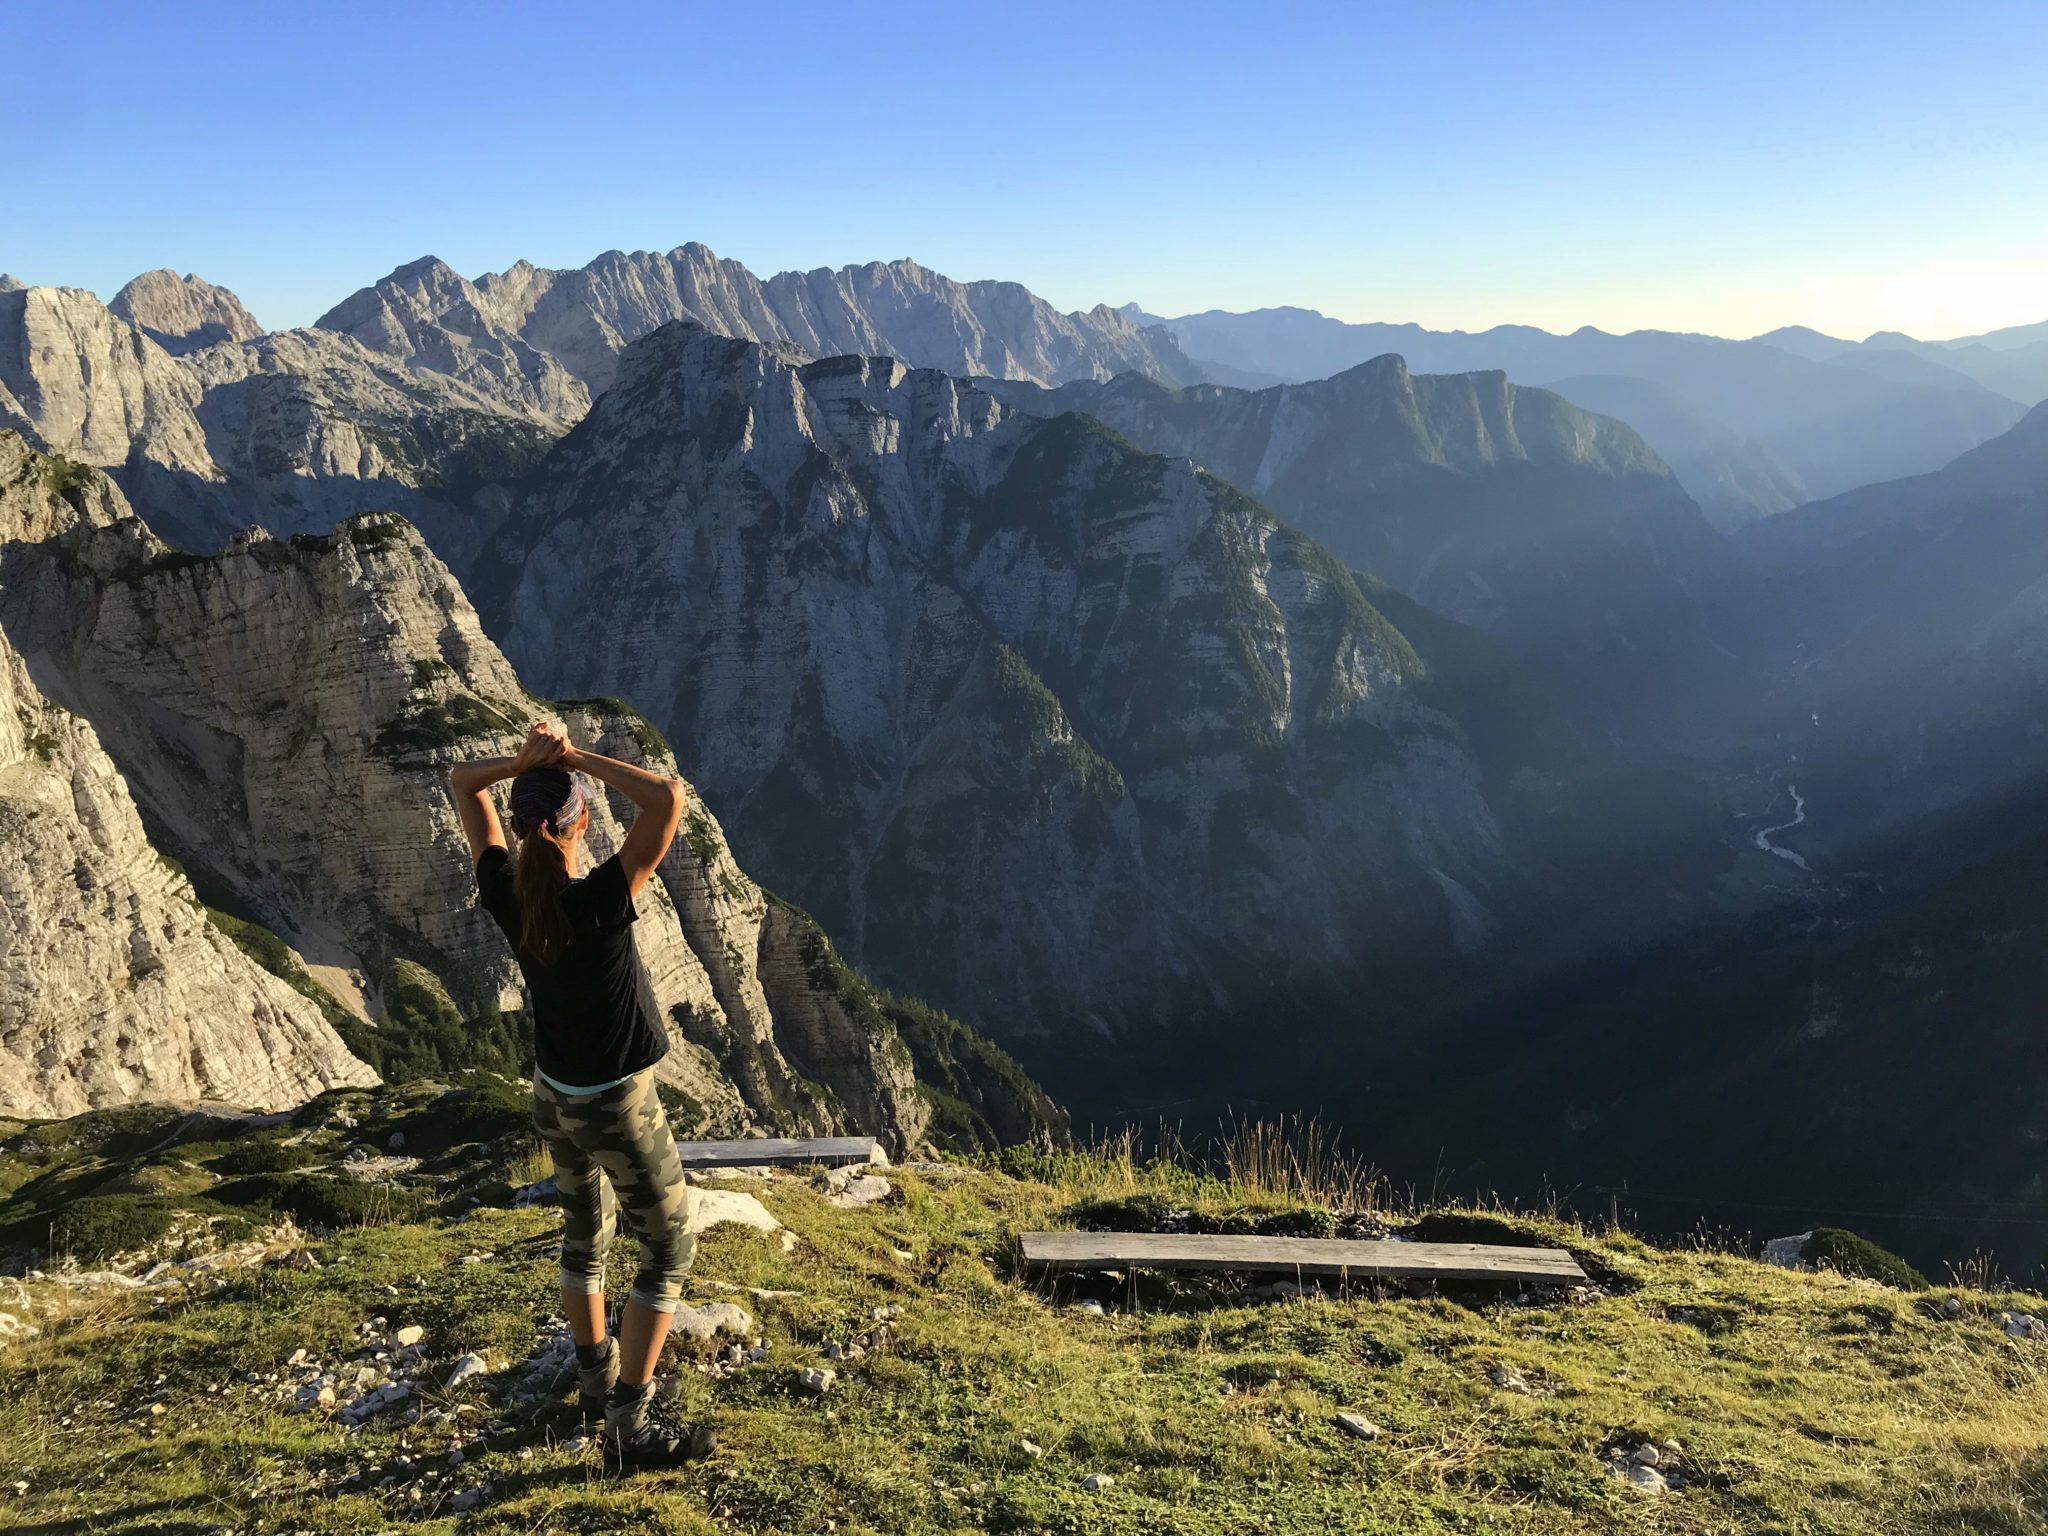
(582,317)
(895,616)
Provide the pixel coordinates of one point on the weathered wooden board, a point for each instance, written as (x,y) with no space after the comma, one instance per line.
(1318,1256)
(780,1151)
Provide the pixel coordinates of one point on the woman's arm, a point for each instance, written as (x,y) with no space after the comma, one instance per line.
(470,784)
(658,799)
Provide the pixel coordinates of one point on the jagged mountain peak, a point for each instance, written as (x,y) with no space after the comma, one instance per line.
(183,314)
(429,316)
(582,317)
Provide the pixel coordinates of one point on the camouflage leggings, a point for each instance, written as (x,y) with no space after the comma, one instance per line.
(613,1149)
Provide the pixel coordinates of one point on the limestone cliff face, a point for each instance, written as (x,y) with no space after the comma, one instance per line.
(77,379)
(286,713)
(424,391)
(182,314)
(1046,729)
(294,430)
(114,986)
(581,317)
(310,427)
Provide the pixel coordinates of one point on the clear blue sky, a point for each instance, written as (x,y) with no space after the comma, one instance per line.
(1713,167)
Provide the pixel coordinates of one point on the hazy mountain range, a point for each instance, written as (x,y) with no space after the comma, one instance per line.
(1750,427)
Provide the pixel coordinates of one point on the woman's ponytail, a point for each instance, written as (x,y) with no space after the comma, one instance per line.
(538,882)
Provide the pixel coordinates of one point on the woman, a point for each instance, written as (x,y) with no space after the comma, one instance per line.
(596,1037)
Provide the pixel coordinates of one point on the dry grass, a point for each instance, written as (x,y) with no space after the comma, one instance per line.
(1296,1159)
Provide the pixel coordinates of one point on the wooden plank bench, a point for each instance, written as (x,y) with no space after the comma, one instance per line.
(781,1152)
(1308,1256)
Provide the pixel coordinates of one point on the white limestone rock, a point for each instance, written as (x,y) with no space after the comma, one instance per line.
(1639,1476)
(715,1318)
(852,1187)
(709,1207)
(1787,1252)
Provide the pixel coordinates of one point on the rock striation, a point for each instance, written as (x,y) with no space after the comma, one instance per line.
(114,986)
(1038,725)
(77,379)
(430,317)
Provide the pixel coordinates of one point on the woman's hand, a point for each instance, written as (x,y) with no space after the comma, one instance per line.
(543,748)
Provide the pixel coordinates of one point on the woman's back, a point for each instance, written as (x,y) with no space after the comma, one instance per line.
(594,1017)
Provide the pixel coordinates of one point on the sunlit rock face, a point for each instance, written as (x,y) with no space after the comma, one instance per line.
(114,986)
(183,314)
(293,430)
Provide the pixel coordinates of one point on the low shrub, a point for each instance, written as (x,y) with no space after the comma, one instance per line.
(1843,1251)
(323,1199)
(258,1156)
(95,1228)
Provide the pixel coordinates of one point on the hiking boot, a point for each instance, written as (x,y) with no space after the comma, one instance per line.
(594,1383)
(633,1437)
(655,1444)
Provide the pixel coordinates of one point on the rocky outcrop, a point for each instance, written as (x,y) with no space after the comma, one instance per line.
(582,317)
(310,427)
(114,985)
(1054,732)
(286,712)
(183,314)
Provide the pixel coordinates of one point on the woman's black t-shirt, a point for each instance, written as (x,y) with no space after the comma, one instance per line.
(594,1018)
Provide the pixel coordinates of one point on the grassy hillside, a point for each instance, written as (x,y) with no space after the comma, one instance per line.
(1796,1402)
